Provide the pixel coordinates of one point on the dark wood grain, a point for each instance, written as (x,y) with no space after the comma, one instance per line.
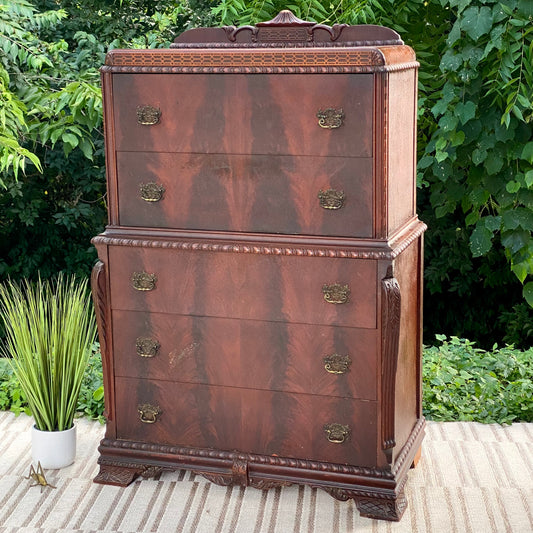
(244,114)
(246,193)
(246,353)
(273,288)
(264,422)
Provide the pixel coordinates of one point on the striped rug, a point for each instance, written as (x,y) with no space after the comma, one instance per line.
(472,478)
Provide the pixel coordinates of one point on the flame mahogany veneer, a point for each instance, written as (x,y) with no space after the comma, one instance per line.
(258,292)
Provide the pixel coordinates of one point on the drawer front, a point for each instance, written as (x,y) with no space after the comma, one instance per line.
(269,194)
(245,114)
(244,285)
(263,422)
(274,356)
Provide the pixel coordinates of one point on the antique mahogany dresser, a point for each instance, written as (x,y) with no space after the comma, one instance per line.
(259,285)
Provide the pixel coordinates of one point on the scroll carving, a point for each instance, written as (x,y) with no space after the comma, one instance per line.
(390,310)
(99,294)
(284,28)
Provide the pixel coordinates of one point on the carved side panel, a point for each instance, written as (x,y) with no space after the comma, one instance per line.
(390,308)
(99,293)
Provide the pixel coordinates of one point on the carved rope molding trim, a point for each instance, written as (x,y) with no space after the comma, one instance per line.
(247,58)
(206,246)
(231,456)
(245,249)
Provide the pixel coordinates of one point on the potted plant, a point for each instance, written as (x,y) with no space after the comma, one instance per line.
(50,327)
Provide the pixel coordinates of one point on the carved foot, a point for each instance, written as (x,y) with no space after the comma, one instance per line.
(116,475)
(382,509)
(122,476)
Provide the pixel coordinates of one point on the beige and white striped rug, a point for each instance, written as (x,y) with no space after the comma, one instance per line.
(472,479)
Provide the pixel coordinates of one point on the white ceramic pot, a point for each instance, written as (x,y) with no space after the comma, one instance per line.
(53,449)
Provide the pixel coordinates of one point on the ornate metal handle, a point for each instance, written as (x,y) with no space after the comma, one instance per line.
(336,293)
(330,118)
(331,199)
(148,413)
(337,364)
(148,115)
(146,347)
(142,281)
(151,192)
(337,433)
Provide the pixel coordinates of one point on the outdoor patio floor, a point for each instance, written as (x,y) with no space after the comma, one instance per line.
(472,478)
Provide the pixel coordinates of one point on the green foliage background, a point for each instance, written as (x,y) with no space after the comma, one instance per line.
(475,141)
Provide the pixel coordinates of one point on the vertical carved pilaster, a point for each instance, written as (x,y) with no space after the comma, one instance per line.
(390,309)
(99,292)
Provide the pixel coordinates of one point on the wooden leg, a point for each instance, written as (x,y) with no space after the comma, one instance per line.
(417,457)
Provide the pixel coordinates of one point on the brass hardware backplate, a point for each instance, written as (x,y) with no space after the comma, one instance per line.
(142,281)
(337,364)
(337,433)
(330,118)
(331,199)
(148,115)
(146,347)
(148,413)
(151,192)
(336,293)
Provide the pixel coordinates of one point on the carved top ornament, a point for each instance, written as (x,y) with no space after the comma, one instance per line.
(285,29)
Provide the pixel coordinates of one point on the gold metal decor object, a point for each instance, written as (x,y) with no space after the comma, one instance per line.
(331,199)
(148,115)
(337,433)
(330,118)
(146,347)
(337,363)
(336,293)
(38,477)
(148,413)
(151,192)
(142,281)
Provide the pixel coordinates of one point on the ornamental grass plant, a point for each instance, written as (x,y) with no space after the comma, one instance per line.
(50,328)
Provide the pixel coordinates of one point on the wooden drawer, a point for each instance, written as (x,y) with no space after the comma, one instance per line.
(244,285)
(264,422)
(244,114)
(246,353)
(268,194)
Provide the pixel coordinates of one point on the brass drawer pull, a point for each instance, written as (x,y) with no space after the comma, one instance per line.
(151,192)
(337,433)
(336,293)
(142,281)
(331,199)
(148,413)
(148,115)
(330,118)
(337,364)
(146,347)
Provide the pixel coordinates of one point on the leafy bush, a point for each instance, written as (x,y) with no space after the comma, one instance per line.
(462,382)
(52,172)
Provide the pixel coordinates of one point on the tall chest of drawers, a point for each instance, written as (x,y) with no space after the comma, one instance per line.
(258,292)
